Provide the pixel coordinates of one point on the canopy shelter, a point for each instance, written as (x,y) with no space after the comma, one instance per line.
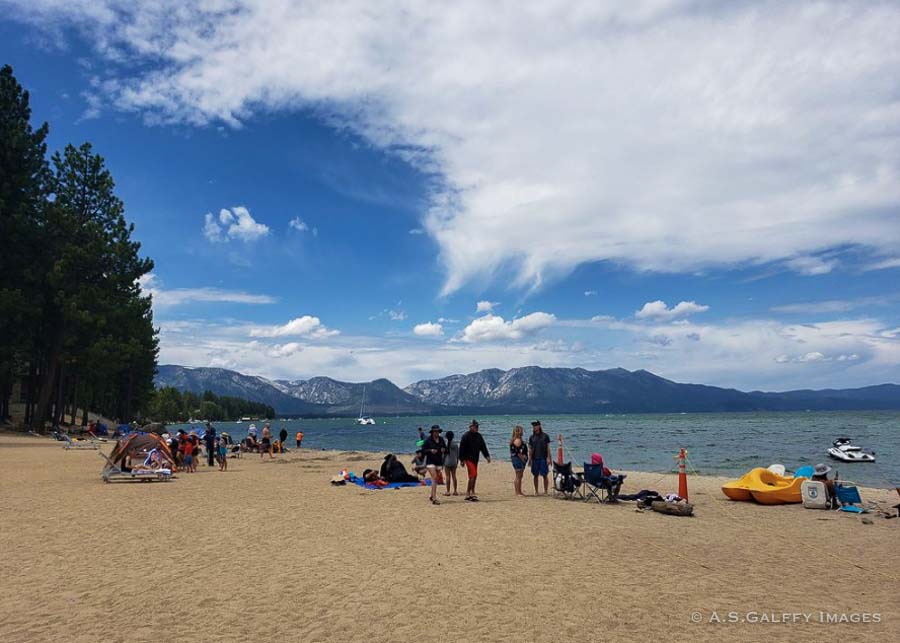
(138,447)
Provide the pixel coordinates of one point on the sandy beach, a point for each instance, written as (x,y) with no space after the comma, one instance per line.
(273,551)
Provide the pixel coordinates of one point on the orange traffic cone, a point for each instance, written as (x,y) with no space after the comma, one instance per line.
(682,475)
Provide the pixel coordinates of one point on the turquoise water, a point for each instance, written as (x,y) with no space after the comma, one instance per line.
(717,443)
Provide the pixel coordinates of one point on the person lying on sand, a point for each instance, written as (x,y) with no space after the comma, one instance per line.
(371,477)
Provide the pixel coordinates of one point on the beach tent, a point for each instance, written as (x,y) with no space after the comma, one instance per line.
(138,445)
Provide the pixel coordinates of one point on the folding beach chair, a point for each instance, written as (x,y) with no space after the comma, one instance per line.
(847,494)
(69,443)
(597,485)
(112,472)
(565,483)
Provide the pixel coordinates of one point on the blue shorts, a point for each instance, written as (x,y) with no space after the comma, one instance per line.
(188,459)
(539,467)
(517,463)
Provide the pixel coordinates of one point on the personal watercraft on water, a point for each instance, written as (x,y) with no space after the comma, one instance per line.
(841,449)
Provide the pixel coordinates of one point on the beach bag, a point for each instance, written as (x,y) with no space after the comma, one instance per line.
(814,494)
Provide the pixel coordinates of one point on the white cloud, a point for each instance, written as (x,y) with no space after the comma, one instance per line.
(884,264)
(298,224)
(486,306)
(234,223)
(306,326)
(169,298)
(682,135)
(832,305)
(812,265)
(212,230)
(742,354)
(659,311)
(428,329)
(279,351)
(493,328)
(417,231)
(590,293)
(396,315)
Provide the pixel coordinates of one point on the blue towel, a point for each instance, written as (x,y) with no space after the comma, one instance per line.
(393,485)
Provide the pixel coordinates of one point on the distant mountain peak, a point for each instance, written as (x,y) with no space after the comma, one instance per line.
(527,389)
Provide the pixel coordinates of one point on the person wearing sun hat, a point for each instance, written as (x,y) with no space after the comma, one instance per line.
(820,474)
(434,449)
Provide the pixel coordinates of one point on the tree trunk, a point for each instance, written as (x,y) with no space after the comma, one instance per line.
(48,379)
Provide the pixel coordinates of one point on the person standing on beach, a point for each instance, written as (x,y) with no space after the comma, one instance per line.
(282,438)
(299,439)
(451,461)
(266,443)
(539,444)
(471,447)
(209,441)
(434,449)
(518,455)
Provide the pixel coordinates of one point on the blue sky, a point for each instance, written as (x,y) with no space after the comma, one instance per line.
(330,191)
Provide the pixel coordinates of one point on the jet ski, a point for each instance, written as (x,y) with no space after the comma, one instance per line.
(841,449)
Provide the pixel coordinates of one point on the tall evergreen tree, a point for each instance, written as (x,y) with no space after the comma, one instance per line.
(92,282)
(24,186)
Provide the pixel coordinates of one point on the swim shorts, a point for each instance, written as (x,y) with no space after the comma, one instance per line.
(539,467)
(517,463)
(471,469)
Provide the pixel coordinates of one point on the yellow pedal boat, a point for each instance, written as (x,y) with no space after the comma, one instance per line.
(764,487)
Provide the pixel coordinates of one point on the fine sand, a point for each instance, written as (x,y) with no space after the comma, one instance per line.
(270,551)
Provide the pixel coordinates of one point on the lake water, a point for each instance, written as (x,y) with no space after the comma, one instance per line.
(717,443)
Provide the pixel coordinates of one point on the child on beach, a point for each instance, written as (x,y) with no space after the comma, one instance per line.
(188,456)
(451,462)
(222,450)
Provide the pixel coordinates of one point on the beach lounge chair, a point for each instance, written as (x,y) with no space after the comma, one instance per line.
(847,494)
(112,472)
(69,443)
(565,483)
(597,485)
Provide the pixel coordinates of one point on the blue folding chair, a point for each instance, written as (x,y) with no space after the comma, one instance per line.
(847,495)
(597,485)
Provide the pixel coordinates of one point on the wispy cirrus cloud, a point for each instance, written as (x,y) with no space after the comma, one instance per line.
(170,298)
(758,149)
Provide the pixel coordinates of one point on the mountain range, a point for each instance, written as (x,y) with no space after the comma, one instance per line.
(530,389)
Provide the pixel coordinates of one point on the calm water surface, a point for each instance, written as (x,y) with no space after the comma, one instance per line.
(718,444)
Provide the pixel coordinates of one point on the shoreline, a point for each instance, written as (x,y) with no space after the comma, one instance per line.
(406,456)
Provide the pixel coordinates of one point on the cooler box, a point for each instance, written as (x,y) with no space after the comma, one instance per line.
(814,494)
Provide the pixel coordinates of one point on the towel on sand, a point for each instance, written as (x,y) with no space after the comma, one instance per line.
(392,485)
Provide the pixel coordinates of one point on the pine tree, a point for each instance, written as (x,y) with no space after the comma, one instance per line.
(23,190)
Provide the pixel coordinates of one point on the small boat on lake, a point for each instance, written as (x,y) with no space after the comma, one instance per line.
(842,449)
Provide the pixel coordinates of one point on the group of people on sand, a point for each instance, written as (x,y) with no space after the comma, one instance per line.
(439,458)
(185,447)
(265,444)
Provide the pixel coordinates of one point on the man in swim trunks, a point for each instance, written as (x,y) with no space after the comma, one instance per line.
(539,445)
(266,444)
(471,447)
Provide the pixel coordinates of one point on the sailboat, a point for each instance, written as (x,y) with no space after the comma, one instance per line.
(363,418)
